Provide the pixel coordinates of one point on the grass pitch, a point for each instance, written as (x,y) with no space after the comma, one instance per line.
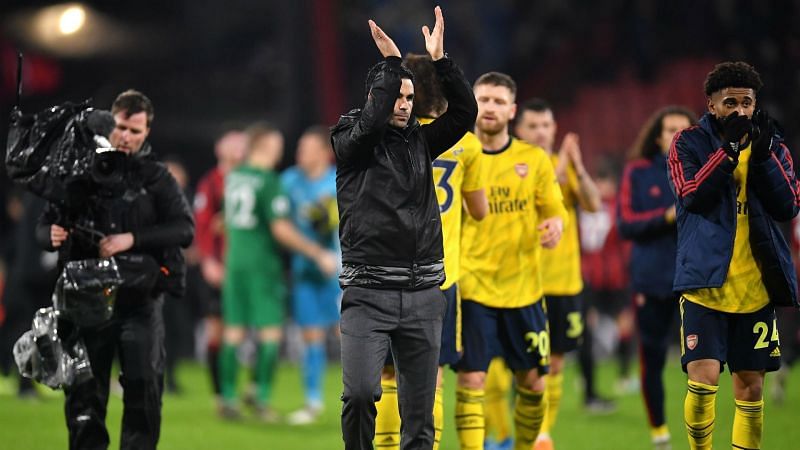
(189,420)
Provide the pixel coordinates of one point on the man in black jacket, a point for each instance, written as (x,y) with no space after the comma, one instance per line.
(391,239)
(151,217)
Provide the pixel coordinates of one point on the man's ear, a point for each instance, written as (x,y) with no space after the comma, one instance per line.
(513,111)
(710,105)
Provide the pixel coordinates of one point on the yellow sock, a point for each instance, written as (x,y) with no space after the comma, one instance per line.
(553,395)
(496,405)
(469,418)
(660,433)
(387,423)
(528,416)
(438,418)
(698,412)
(748,421)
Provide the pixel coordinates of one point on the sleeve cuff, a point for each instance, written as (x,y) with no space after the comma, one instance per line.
(394,62)
(443,65)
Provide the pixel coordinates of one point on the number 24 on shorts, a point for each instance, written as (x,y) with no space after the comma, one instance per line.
(539,342)
(762,330)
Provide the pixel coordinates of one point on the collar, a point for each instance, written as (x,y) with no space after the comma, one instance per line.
(501,150)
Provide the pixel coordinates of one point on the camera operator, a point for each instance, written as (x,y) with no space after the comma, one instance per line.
(146,215)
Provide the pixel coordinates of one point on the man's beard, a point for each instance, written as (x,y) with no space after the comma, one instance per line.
(495,128)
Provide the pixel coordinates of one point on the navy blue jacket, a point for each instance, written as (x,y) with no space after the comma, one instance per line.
(644,198)
(701,175)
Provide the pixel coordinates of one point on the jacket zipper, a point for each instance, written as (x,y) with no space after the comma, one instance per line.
(413,218)
(735,226)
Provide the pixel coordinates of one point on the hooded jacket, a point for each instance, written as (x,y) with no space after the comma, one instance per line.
(701,176)
(390,229)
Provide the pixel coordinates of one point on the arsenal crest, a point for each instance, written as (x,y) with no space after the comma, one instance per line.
(691,341)
(521,169)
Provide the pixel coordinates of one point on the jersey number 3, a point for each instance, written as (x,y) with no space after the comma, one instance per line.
(444,182)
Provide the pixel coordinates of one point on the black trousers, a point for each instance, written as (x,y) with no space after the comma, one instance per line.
(654,320)
(408,322)
(136,335)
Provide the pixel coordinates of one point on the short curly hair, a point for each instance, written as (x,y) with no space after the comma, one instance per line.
(732,74)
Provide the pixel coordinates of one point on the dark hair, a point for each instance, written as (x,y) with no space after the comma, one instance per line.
(429,100)
(321,132)
(258,130)
(133,102)
(536,104)
(645,145)
(497,79)
(381,66)
(732,74)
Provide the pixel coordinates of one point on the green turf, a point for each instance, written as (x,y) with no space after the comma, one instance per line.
(189,420)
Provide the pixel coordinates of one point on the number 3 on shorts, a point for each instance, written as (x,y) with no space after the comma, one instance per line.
(762,330)
(539,342)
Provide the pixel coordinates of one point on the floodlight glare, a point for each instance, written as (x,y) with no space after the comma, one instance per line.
(72,20)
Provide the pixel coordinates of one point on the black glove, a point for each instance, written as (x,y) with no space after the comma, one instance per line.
(732,129)
(763,136)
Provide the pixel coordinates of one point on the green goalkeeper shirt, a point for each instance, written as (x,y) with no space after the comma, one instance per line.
(253,199)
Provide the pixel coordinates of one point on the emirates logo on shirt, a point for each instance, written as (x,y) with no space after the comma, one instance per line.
(691,341)
(521,169)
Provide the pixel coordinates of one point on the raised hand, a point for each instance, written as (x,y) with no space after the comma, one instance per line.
(434,41)
(384,43)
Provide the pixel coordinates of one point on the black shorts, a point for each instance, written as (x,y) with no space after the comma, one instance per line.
(519,335)
(211,299)
(745,341)
(610,303)
(566,322)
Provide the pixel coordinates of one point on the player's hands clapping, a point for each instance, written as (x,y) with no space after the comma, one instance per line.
(550,231)
(434,41)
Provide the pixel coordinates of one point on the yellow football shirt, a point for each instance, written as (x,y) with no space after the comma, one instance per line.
(500,254)
(743,290)
(561,266)
(455,171)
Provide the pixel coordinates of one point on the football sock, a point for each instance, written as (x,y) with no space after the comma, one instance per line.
(469,418)
(266,365)
(748,421)
(553,396)
(387,422)
(313,370)
(698,412)
(228,367)
(496,405)
(212,357)
(528,416)
(438,418)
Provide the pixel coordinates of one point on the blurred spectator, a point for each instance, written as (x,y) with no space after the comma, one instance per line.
(229,150)
(605,265)
(178,317)
(311,189)
(647,218)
